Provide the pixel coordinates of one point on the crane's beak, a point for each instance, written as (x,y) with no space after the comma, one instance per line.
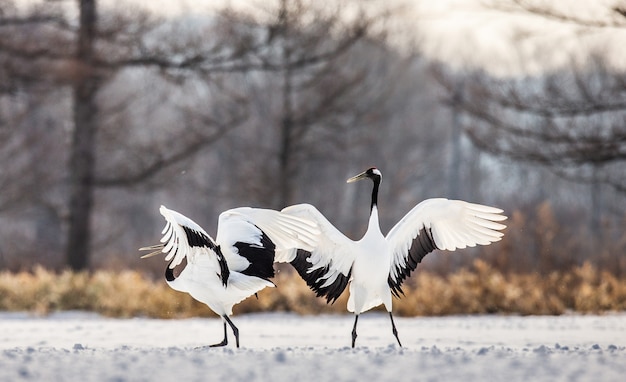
(362,175)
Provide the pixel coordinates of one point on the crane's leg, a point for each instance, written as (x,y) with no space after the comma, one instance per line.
(234,328)
(393,329)
(225,340)
(356,318)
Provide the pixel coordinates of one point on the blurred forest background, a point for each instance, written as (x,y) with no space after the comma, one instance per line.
(109,109)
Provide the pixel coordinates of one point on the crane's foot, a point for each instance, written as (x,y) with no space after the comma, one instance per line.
(223,343)
(394,330)
(354,335)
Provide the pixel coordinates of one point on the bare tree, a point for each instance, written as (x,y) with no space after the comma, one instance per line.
(25,86)
(42,47)
(573,122)
(141,101)
(119,50)
(317,86)
(83,143)
(577,132)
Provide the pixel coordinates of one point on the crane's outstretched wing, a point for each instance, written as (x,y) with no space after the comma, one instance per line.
(327,267)
(183,239)
(249,237)
(439,224)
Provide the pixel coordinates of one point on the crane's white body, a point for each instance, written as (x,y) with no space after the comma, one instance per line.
(370,270)
(375,259)
(376,266)
(200,280)
(238,263)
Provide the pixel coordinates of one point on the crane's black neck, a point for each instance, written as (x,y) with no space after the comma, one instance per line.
(376,181)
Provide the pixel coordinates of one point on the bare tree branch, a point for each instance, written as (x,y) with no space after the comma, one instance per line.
(617,17)
(563,128)
(161,163)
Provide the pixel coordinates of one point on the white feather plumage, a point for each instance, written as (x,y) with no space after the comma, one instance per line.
(376,265)
(224,271)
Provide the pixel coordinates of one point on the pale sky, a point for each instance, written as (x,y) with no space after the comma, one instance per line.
(506,42)
(467,33)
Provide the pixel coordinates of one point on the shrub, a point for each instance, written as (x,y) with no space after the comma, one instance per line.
(478,289)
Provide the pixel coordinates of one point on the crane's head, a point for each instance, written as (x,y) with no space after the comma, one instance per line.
(371,173)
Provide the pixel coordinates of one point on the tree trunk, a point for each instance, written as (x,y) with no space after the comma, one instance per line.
(82,156)
(286,148)
(454,176)
(596,204)
(287,165)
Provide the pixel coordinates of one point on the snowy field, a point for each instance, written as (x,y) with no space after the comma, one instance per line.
(282,347)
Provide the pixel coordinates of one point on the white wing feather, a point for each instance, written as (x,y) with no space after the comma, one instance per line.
(246,224)
(284,230)
(333,250)
(242,224)
(454,224)
(176,245)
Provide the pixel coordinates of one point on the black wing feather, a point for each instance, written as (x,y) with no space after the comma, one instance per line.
(422,245)
(332,292)
(261,257)
(199,239)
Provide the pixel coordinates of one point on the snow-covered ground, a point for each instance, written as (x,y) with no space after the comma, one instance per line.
(284,347)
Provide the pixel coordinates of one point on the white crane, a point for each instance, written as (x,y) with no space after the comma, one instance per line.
(377,265)
(239,263)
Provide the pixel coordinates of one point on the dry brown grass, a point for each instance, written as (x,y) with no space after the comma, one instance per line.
(484,289)
(474,290)
(540,240)
(116,294)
